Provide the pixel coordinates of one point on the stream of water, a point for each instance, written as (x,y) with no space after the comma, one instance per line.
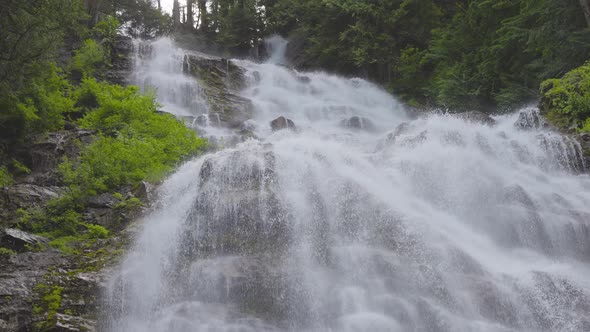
(428,223)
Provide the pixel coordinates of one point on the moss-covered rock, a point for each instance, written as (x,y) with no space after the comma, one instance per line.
(221,80)
(565,102)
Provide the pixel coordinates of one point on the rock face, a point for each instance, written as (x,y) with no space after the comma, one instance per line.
(18,276)
(122,62)
(221,80)
(48,150)
(18,240)
(281,123)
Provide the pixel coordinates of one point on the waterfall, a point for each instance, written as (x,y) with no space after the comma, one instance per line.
(362,217)
(159,67)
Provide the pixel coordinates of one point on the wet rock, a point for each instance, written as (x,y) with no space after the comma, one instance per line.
(304,79)
(208,120)
(206,170)
(18,276)
(144,191)
(416,140)
(67,323)
(529,119)
(281,123)
(221,81)
(401,129)
(476,117)
(358,123)
(18,240)
(257,77)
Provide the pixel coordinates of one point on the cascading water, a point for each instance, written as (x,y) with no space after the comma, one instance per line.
(159,68)
(427,224)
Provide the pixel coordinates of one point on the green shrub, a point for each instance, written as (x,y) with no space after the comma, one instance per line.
(96,231)
(89,59)
(50,304)
(135,142)
(566,101)
(5,252)
(5,177)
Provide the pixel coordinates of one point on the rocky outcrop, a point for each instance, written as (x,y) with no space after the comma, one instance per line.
(281,123)
(221,80)
(121,62)
(17,240)
(47,152)
(18,276)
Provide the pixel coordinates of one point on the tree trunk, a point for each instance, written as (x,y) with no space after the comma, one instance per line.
(159,5)
(586,10)
(204,24)
(190,21)
(176,14)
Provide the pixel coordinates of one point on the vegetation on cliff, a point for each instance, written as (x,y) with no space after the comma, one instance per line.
(52,66)
(566,101)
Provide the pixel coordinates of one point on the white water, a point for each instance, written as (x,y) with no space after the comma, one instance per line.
(446,226)
(158,68)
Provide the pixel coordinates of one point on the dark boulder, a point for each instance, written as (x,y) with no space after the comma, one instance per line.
(18,240)
(282,123)
(358,123)
(476,117)
(529,119)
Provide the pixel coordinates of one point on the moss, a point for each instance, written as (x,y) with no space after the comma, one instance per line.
(49,304)
(5,252)
(5,177)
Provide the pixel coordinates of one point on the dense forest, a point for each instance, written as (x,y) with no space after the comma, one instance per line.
(446,53)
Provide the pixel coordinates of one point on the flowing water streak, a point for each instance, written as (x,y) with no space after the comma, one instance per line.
(426,224)
(159,67)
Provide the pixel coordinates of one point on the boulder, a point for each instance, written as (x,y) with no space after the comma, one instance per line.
(476,117)
(26,196)
(358,123)
(106,200)
(18,240)
(281,123)
(208,120)
(529,119)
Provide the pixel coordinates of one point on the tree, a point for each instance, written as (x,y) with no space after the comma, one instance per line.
(189,15)
(204,16)
(586,10)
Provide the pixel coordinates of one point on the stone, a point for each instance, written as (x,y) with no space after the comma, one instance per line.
(358,123)
(281,123)
(67,323)
(18,240)
(476,117)
(27,196)
(529,119)
(106,200)
(208,120)
(18,276)
(222,82)
(144,191)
